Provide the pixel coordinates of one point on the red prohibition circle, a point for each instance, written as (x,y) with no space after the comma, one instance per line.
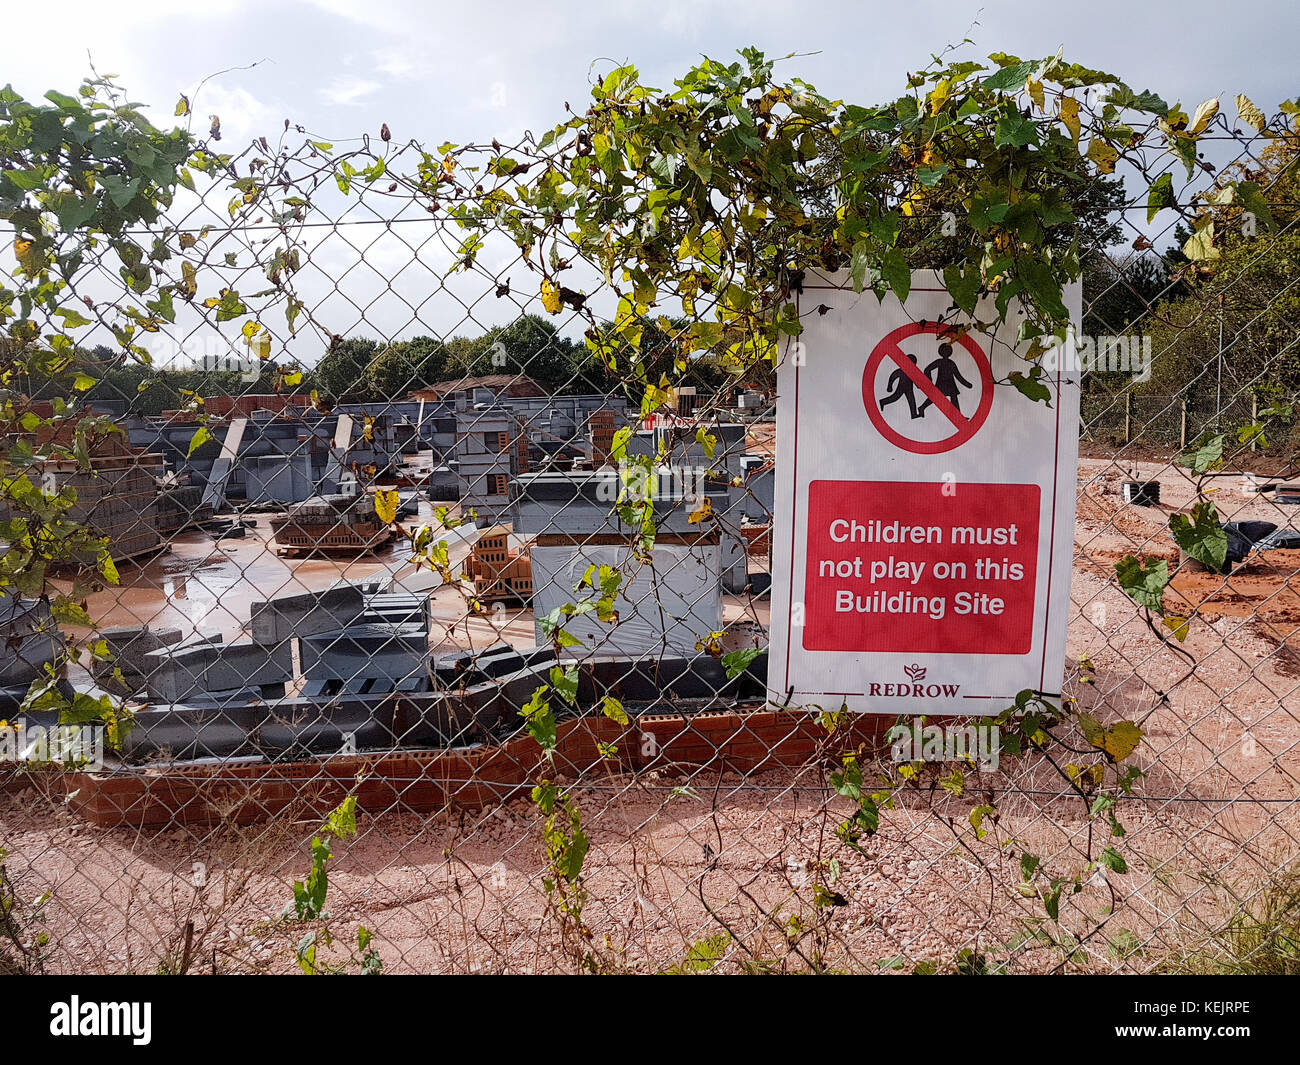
(889,348)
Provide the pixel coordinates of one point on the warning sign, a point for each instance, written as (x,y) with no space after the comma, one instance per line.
(924,513)
(899,566)
(935,389)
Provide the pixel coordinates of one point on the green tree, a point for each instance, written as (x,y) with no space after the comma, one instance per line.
(407,365)
(344,373)
(1236,332)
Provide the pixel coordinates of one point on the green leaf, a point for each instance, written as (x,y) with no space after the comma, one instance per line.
(62,100)
(1012,76)
(1205,457)
(896,273)
(1031,386)
(986,210)
(1113,860)
(200,437)
(1016,130)
(931,176)
(539,719)
(858,267)
(1144,581)
(1251,197)
(565,681)
(1042,284)
(963,287)
(1201,536)
(737,662)
(1160,195)
(702,956)
(1028,866)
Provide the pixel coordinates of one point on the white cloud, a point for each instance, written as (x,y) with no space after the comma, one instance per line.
(348,91)
(243,116)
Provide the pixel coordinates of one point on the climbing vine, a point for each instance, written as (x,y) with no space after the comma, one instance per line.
(671,226)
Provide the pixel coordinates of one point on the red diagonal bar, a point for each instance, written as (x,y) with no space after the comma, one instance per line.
(942,402)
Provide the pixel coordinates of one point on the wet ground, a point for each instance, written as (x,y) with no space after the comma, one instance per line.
(207,585)
(204,586)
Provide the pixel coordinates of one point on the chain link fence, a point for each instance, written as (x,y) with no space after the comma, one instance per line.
(404,679)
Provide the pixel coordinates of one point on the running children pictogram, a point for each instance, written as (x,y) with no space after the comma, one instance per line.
(952,387)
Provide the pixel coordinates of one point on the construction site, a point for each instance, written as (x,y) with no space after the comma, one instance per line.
(266,612)
(727,529)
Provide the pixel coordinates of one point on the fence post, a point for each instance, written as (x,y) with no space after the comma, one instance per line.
(1128,416)
(1254,419)
(1182,426)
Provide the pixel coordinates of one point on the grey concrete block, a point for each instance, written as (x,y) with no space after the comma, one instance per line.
(183,732)
(397,651)
(305,613)
(130,647)
(185,671)
(299,726)
(438,720)
(397,608)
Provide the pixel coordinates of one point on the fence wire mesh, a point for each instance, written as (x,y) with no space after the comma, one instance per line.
(353,542)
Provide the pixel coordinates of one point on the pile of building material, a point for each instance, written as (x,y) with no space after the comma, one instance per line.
(29,645)
(601,426)
(428,751)
(126,672)
(179,506)
(335,524)
(116,497)
(500,573)
(374,657)
(305,613)
(266,450)
(206,670)
(671,602)
(491,451)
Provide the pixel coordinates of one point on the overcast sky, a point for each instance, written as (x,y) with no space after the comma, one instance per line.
(468,72)
(471,71)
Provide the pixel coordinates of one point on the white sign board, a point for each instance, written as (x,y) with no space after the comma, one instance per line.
(924,512)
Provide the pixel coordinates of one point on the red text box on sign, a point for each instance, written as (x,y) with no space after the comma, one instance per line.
(901,613)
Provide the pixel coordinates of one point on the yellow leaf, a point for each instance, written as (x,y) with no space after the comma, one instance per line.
(939,96)
(109,570)
(1200,245)
(704,512)
(1204,116)
(1119,741)
(25,251)
(1103,155)
(550,297)
(1035,90)
(386,505)
(1070,117)
(1178,625)
(1249,113)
